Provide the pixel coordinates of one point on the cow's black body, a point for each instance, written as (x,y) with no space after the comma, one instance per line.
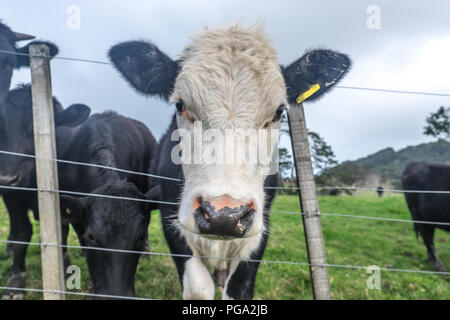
(109,139)
(16,114)
(428,206)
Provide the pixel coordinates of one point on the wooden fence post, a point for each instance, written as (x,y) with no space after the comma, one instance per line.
(308,203)
(46,172)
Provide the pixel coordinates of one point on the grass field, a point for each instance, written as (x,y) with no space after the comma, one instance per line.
(349,241)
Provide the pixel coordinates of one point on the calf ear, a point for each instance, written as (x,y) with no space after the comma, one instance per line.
(24,61)
(322,67)
(149,70)
(72,208)
(73,116)
(154,194)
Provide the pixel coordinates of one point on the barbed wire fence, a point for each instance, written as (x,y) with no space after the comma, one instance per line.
(337,214)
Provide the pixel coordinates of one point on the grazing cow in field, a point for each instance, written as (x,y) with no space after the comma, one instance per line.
(226,82)
(16,135)
(109,139)
(380,191)
(428,206)
(335,192)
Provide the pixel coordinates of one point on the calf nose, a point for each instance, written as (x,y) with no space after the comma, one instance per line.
(223,216)
(9,180)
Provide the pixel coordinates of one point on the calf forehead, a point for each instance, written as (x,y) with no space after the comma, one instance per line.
(234,70)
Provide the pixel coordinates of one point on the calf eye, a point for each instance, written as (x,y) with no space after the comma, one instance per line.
(279,113)
(182,110)
(180,106)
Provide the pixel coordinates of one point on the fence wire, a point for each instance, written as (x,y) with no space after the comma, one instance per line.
(365,217)
(85,294)
(337,86)
(96,195)
(149,253)
(179,180)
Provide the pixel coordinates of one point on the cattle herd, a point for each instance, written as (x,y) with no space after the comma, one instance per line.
(227,79)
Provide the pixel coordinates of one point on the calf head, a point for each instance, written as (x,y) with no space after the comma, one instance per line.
(108,223)
(228,83)
(16,134)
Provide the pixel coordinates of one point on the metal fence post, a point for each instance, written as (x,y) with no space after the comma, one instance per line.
(46,172)
(308,203)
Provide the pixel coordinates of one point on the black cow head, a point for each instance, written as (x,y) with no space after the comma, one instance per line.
(16,134)
(8,61)
(113,224)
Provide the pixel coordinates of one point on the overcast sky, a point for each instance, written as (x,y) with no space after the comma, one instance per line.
(410,51)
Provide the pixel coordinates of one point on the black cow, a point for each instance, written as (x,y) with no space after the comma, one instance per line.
(16,135)
(227,78)
(109,139)
(428,206)
(380,191)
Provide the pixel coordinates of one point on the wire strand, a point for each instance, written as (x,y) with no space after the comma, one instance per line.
(88,165)
(56,57)
(364,189)
(395,91)
(223,258)
(74,293)
(337,86)
(84,194)
(365,217)
(179,180)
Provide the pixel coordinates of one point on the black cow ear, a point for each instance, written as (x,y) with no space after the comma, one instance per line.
(317,67)
(73,116)
(154,194)
(149,70)
(24,61)
(72,208)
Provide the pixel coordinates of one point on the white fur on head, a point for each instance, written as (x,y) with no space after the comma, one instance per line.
(229,79)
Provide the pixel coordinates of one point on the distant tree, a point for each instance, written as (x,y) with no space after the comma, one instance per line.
(438,124)
(322,154)
(285,162)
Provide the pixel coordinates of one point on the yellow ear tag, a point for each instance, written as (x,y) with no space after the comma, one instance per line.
(68,211)
(305,95)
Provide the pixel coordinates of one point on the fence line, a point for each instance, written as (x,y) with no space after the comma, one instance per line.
(337,86)
(74,293)
(365,217)
(395,91)
(344,266)
(89,165)
(366,189)
(84,194)
(56,57)
(179,180)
